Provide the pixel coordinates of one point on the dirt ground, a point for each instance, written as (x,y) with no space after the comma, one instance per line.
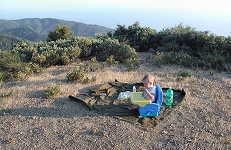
(30,121)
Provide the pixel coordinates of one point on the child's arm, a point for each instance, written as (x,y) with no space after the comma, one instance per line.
(150,95)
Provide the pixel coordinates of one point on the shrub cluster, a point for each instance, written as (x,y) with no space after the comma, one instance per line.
(62,52)
(25,59)
(46,54)
(79,75)
(11,66)
(136,36)
(180,45)
(52,91)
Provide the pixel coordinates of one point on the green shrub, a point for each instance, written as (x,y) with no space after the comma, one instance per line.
(52,91)
(106,47)
(11,65)
(179,58)
(76,75)
(61,52)
(212,60)
(138,37)
(132,64)
(7,94)
(1,77)
(59,32)
(79,75)
(111,61)
(185,73)
(91,66)
(88,80)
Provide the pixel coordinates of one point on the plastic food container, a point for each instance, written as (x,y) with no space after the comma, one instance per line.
(138,99)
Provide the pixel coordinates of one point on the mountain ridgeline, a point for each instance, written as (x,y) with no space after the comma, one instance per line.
(35,30)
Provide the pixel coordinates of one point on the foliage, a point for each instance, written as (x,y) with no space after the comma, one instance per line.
(60,33)
(79,75)
(1,77)
(61,52)
(7,42)
(179,45)
(52,91)
(136,36)
(179,58)
(91,65)
(88,80)
(7,94)
(25,33)
(111,61)
(35,30)
(103,48)
(132,64)
(11,66)
(76,75)
(185,73)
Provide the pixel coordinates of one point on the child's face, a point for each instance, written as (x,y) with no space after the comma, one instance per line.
(147,84)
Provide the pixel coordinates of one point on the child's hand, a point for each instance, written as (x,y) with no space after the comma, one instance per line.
(144,89)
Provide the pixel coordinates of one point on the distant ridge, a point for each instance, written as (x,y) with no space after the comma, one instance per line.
(7,41)
(43,26)
(36,29)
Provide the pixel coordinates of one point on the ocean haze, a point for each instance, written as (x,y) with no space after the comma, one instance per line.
(210,15)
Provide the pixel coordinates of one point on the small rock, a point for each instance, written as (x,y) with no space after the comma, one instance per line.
(164,132)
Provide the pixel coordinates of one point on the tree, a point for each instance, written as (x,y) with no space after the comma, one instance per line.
(60,33)
(138,37)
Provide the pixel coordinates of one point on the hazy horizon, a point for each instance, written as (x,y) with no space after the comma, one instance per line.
(204,15)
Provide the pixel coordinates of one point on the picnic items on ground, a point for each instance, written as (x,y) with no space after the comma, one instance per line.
(103,100)
(169,97)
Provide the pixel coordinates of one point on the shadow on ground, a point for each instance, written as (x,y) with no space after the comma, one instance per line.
(63,108)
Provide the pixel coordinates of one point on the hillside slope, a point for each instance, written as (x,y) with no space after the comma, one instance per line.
(25,33)
(43,26)
(35,30)
(7,41)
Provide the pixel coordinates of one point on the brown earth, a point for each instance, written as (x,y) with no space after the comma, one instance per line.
(30,121)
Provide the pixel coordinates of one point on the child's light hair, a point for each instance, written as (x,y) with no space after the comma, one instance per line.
(148,77)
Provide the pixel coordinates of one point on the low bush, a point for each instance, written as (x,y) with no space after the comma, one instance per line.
(88,80)
(179,58)
(79,75)
(7,94)
(12,67)
(52,91)
(111,61)
(76,75)
(91,65)
(1,77)
(132,64)
(185,73)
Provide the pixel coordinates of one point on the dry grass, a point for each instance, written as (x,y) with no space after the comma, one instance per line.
(30,121)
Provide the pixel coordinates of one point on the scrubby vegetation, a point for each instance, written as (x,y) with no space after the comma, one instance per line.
(181,45)
(52,91)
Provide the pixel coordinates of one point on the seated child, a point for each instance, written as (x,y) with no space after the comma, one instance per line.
(148,89)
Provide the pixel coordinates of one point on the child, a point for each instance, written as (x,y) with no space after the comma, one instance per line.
(148,89)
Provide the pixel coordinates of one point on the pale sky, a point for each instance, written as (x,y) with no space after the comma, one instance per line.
(212,15)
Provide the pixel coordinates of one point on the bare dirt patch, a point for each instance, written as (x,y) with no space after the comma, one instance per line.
(30,121)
